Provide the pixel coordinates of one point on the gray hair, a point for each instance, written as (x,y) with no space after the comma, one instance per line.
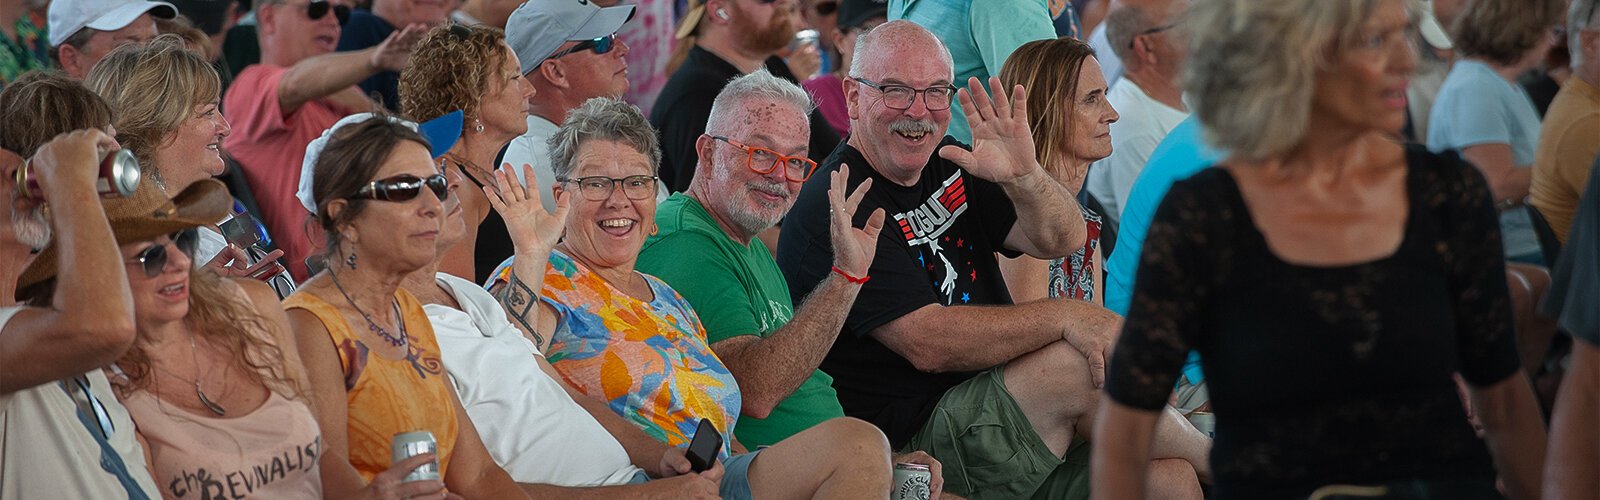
(1253,99)
(892,32)
(1123,24)
(1580,16)
(607,119)
(759,84)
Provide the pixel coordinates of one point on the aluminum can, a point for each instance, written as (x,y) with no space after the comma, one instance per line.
(912,482)
(410,444)
(119,176)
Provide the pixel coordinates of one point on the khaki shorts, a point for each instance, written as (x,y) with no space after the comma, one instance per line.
(989,450)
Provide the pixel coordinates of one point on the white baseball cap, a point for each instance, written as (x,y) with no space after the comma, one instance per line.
(67,17)
(537,28)
(1432,31)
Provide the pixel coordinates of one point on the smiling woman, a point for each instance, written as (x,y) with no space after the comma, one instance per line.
(165,99)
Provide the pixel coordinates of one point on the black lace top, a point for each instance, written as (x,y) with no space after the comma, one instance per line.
(1322,375)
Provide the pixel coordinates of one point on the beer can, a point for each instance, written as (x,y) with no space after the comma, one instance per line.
(119,176)
(410,444)
(912,482)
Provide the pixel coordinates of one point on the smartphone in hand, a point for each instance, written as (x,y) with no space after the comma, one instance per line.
(703,448)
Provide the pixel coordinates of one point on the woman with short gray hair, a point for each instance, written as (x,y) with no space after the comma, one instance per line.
(1332,279)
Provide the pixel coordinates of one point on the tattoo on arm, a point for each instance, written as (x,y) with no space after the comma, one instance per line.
(519,302)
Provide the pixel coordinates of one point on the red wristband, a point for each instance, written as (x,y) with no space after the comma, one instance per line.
(849,278)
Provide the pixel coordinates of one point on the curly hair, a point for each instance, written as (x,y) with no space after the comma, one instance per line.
(1253,99)
(218,313)
(451,68)
(153,89)
(1049,70)
(1503,31)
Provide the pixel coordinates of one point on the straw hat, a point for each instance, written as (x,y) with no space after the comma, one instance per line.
(144,215)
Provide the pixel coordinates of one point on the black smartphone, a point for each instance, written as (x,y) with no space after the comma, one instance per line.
(240,230)
(704,447)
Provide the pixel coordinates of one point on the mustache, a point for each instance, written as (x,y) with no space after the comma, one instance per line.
(910,126)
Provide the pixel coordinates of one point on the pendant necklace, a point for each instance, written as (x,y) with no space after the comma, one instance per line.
(209,404)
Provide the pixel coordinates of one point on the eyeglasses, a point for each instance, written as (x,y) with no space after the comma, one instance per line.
(1150,31)
(600,45)
(154,259)
(763,160)
(316,10)
(937,97)
(404,187)
(599,187)
(825,8)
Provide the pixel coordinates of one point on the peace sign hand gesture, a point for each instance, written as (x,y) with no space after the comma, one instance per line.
(853,248)
(531,227)
(1002,141)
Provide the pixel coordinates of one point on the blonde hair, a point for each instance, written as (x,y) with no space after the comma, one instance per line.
(452,68)
(1049,70)
(1253,64)
(198,41)
(219,314)
(153,89)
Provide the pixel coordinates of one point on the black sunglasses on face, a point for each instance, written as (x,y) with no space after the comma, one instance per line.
(600,45)
(404,187)
(154,259)
(316,10)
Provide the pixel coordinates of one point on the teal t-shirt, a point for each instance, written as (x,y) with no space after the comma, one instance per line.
(980,36)
(736,289)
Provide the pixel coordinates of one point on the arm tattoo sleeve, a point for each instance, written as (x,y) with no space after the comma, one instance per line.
(519,302)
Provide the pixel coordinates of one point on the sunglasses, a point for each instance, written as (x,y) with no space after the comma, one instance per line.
(154,259)
(600,45)
(316,10)
(404,187)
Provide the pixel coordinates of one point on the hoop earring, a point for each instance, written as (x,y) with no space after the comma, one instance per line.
(477,126)
(654,229)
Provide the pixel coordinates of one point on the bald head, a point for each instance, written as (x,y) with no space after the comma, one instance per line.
(897,42)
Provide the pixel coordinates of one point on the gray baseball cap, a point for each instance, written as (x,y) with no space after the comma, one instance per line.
(538,27)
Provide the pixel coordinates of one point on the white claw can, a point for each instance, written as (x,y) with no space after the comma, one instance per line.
(410,444)
(912,482)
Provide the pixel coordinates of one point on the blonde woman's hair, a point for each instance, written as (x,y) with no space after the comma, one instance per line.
(1252,66)
(1049,70)
(453,67)
(153,88)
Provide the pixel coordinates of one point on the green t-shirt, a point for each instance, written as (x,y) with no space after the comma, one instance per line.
(736,290)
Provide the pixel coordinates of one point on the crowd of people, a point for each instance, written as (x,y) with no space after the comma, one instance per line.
(1175,249)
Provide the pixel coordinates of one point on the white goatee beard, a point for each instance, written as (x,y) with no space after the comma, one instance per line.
(31,228)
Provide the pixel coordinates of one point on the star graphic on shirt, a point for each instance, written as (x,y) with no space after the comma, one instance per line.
(974,275)
(959,242)
(965,298)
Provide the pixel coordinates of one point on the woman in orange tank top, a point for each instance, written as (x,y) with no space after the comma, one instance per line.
(368,346)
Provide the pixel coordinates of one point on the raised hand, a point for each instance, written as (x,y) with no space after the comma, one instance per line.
(395,51)
(853,248)
(1002,141)
(71,160)
(531,227)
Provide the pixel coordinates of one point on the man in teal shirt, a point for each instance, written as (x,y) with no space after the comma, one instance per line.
(980,35)
(752,162)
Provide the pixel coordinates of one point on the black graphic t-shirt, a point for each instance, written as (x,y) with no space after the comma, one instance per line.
(937,247)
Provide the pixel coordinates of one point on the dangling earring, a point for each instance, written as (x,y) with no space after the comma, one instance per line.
(654,229)
(477,126)
(350,261)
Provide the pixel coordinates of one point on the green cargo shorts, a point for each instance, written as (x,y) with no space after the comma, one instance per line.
(989,450)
